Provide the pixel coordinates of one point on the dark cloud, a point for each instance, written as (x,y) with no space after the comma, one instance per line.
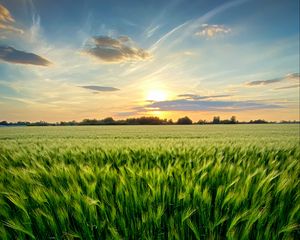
(198,97)
(206,105)
(117,50)
(10,54)
(264,82)
(288,77)
(100,88)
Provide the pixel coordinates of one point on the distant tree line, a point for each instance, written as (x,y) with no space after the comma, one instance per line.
(140,121)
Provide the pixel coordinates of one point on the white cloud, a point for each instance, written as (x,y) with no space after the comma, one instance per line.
(210,31)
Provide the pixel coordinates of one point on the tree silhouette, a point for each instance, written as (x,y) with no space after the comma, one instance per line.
(233,119)
(216,120)
(184,120)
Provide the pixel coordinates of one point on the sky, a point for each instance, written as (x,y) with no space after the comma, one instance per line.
(71,60)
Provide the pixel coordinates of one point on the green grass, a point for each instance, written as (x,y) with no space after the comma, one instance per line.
(150,182)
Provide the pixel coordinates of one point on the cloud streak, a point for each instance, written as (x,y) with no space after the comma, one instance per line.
(10,28)
(264,82)
(100,88)
(288,77)
(12,55)
(150,31)
(117,50)
(288,87)
(207,105)
(198,97)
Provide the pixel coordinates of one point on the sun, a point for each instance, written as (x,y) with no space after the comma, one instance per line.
(156,95)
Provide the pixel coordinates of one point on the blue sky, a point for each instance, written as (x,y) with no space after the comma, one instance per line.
(65,60)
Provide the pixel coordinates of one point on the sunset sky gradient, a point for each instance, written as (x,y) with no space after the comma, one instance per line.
(69,60)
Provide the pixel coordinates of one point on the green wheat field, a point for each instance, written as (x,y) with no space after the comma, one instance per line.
(150,182)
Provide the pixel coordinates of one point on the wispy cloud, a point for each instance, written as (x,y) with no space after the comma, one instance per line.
(157,44)
(210,31)
(12,55)
(116,50)
(288,87)
(160,15)
(191,26)
(35,29)
(100,88)
(7,21)
(289,77)
(151,30)
(129,23)
(10,28)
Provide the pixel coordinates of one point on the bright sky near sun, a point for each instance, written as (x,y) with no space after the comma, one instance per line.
(65,60)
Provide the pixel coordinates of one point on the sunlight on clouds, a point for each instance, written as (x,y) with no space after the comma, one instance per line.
(7,22)
(212,30)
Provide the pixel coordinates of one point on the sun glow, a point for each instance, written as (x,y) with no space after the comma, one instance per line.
(156,95)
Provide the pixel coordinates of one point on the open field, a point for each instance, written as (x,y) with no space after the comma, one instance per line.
(150,182)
